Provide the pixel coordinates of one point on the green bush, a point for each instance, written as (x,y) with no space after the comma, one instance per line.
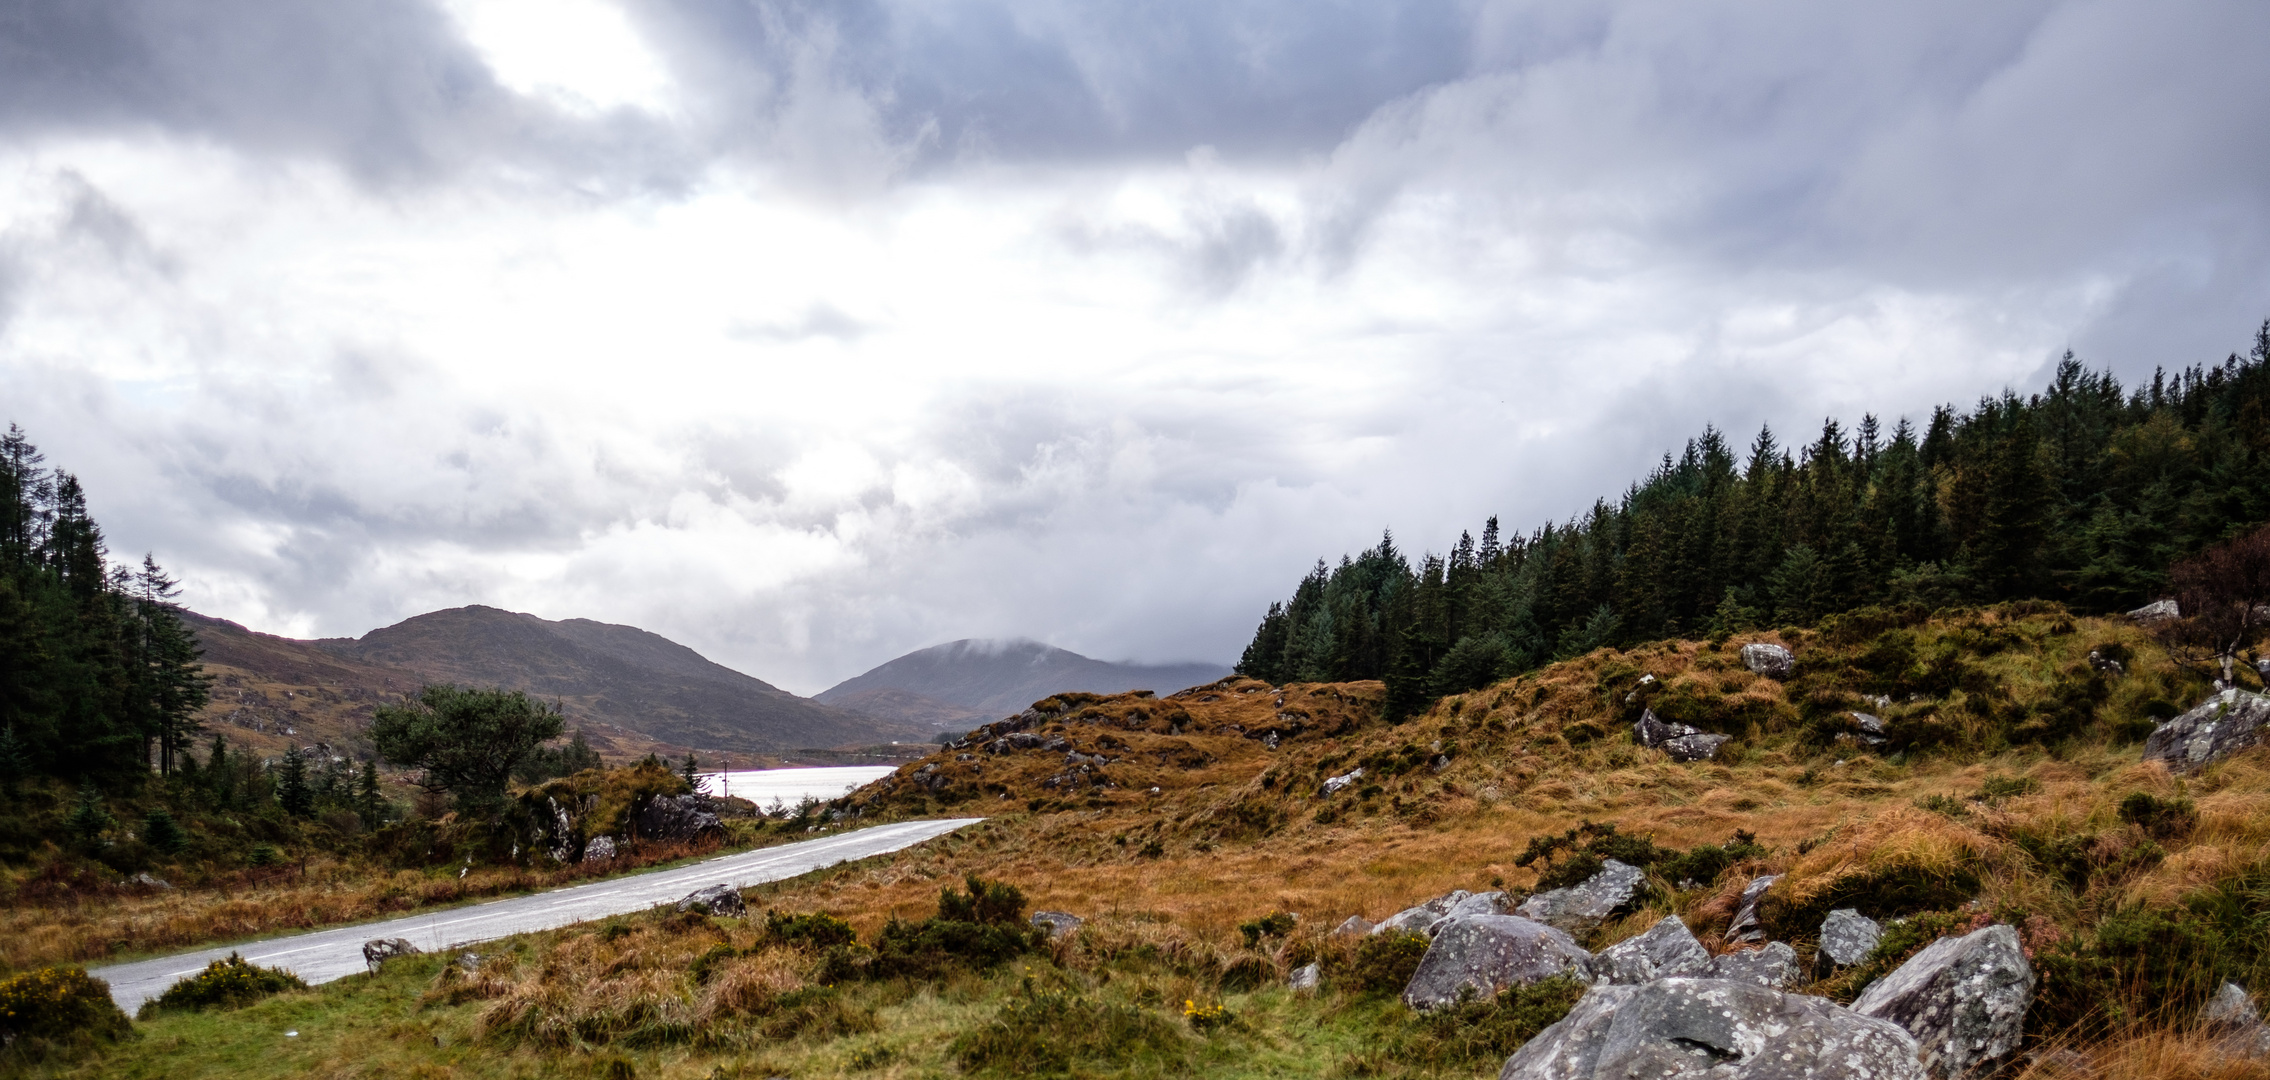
(2164,819)
(1386,962)
(1273,925)
(58,1005)
(224,984)
(977,929)
(817,930)
(1047,1033)
(1477,1033)
(162,832)
(265,855)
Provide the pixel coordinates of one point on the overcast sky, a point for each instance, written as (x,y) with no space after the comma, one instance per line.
(809,334)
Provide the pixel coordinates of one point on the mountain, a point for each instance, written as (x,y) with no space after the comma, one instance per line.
(986,680)
(618,675)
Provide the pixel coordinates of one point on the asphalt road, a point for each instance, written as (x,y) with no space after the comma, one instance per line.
(324,955)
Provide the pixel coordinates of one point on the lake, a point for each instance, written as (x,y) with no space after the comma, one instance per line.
(792,786)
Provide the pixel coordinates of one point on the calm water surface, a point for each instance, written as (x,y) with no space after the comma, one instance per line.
(792,786)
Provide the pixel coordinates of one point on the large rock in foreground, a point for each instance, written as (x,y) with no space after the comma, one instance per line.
(1478,955)
(677,817)
(1774,967)
(1586,904)
(1712,1028)
(722,900)
(1847,936)
(1745,926)
(1667,950)
(2222,725)
(1963,998)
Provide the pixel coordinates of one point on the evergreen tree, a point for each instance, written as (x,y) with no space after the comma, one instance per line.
(162,832)
(89,818)
(14,766)
(370,802)
(292,788)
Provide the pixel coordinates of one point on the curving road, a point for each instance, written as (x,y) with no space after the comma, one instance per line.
(325,955)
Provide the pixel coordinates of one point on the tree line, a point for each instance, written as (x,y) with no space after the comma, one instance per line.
(2084,493)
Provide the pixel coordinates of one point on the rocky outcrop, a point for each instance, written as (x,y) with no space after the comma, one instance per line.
(1963,999)
(2222,725)
(1683,743)
(1353,926)
(1333,785)
(1676,1029)
(1058,923)
(1772,661)
(1745,925)
(1774,967)
(1586,904)
(1847,936)
(1667,950)
(1417,920)
(677,817)
(2235,1025)
(1489,903)
(1476,956)
(379,950)
(722,900)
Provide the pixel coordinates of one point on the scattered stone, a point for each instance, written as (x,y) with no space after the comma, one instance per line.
(1695,1028)
(1695,747)
(1305,979)
(2236,1026)
(1963,998)
(379,950)
(2157,611)
(1478,955)
(1847,936)
(1650,731)
(2098,661)
(2224,724)
(722,900)
(599,849)
(1667,950)
(1059,923)
(1774,967)
(677,817)
(1745,925)
(1417,920)
(1639,688)
(1489,903)
(1586,904)
(1772,661)
(1354,926)
(1871,728)
(1333,785)
(144,880)
(1683,743)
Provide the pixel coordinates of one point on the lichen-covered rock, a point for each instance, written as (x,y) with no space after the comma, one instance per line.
(2235,1025)
(1488,903)
(1676,1029)
(1585,904)
(1847,936)
(677,817)
(1696,747)
(1963,998)
(1416,920)
(379,950)
(1745,925)
(1333,785)
(1683,743)
(2157,611)
(1305,979)
(1353,926)
(1059,923)
(1772,661)
(1774,966)
(723,900)
(2222,725)
(1477,955)
(1667,950)
(599,849)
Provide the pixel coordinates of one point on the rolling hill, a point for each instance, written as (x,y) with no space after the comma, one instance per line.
(972,681)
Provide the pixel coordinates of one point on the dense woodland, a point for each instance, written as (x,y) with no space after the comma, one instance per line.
(2083,494)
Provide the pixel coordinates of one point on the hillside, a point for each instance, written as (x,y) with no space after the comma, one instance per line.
(616,675)
(986,680)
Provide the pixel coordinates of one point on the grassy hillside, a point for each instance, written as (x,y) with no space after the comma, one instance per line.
(2010,790)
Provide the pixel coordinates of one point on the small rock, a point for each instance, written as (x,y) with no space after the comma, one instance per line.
(1847,936)
(1772,661)
(1696,747)
(2098,661)
(722,900)
(2224,724)
(1580,906)
(1871,728)
(1963,998)
(2157,611)
(1668,949)
(1417,920)
(1677,1029)
(1354,926)
(1745,925)
(1305,979)
(1059,923)
(1489,903)
(2235,1025)
(146,881)
(1683,743)
(1774,966)
(379,950)
(1334,785)
(599,849)
(1478,955)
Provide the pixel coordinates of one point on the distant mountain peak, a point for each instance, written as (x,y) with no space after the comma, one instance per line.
(993,677)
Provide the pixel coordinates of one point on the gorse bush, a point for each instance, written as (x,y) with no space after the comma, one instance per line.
(816,930)
(224,984)
(60,1005)
(1384,963)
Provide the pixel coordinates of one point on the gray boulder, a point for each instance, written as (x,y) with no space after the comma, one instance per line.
(1059,923)
(1305,979)
(1489,903)
(1745,925)
(1774,967)
(1695,747)
(722,900)
(1847,936)
(1772,661)
(1963,998)
(1416,920)
(1676,1029)
(1586,904)
(2235,1025)
(2157,611)
(599,849)
(1667,950)
(1683,743)
(1477,955)
(677,817)
(1354,925)
(2222,725)
(1333,785)
(379,950)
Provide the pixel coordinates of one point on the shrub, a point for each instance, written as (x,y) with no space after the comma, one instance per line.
(1386,962)
(59,1005)
(2164,819)
(1705,862)
(1048,1032)
(224,984)
(265,855)
(1997,787)
(1273,925)
(1475,1033)
(815,930)
(1206,1019)
(979,929)
(2142,964)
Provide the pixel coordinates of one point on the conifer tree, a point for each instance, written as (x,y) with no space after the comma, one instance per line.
(292,788)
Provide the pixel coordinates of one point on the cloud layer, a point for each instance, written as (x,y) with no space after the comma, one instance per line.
(813,334)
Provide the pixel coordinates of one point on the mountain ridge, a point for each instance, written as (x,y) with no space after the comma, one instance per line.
(991,678)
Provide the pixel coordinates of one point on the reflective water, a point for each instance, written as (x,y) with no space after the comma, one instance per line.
(791,786)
